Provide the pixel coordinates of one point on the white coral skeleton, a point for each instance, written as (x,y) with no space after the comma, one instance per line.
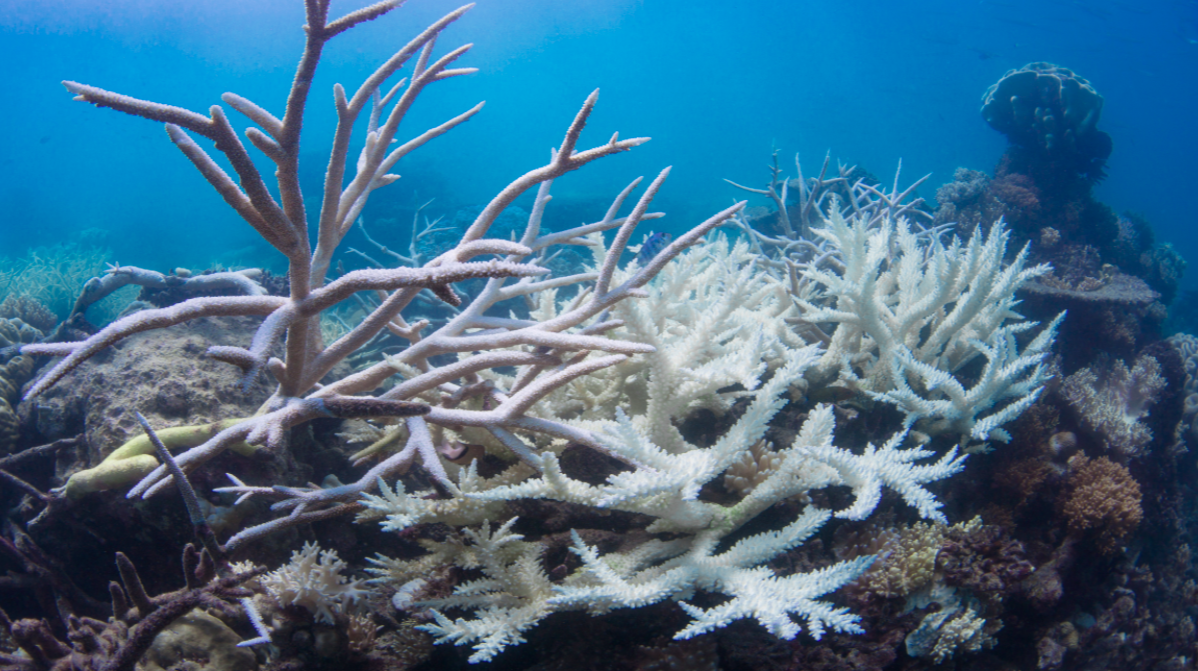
(910,313)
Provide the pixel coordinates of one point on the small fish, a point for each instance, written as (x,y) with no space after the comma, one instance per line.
(652,245)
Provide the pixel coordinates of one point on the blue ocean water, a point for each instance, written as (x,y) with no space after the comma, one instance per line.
(718,86)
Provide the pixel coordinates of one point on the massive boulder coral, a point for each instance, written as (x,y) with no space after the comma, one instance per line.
(15,370)
(1049,108)
(165,375)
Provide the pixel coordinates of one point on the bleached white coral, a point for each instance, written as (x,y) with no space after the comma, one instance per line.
(755,591)
(888,465)
(514,588)
(515,593)
(912,312)
(695,315)
(1010,381)
(313,580)
(717,320)
(895,291)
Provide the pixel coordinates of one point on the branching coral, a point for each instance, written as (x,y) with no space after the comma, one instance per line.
(313,580)
(295,319)
(594,370)
(910,316)
(666,485)
(852,192)
(716,321)
(117,645)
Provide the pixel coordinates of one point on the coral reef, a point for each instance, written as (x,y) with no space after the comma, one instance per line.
(53,276)
(844,433)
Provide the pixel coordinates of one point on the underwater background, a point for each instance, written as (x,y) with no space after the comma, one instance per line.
(718,86)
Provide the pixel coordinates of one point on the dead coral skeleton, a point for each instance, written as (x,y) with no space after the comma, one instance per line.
(547,354)
(137,618)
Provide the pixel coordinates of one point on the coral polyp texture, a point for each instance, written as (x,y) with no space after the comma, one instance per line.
(752,443)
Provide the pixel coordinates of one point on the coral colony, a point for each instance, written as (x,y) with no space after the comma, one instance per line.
(757,420)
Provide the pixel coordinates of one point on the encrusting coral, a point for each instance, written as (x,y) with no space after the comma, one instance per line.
(611,358)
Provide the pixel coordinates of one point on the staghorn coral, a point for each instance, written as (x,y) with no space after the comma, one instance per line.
(1103,498)
(312,580)
(910,315)
(1111,399)
(852,191)
(717,322)
(482,380)
(299,395)
(137,619)
(515,593)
